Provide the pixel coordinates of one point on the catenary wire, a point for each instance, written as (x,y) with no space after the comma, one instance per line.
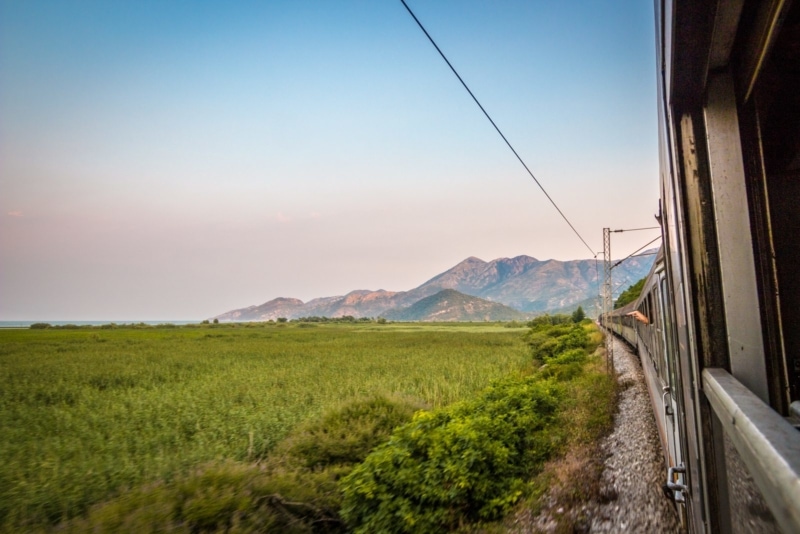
(635,229)
(495,126)
(635,251)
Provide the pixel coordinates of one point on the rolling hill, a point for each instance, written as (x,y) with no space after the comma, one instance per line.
(451,305)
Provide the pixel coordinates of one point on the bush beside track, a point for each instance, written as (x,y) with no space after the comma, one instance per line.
(473,461)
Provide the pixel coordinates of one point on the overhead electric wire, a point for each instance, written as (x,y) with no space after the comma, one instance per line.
(495,126)
(636,229)
(635,251)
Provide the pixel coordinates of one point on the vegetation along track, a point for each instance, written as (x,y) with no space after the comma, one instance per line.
(105,410)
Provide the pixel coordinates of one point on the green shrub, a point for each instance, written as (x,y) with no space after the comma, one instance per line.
(40,326)
(630,294)
(347,436)
(569,356)
(547,342)
(467,462)
(575,339)
(546,321)
(558,331)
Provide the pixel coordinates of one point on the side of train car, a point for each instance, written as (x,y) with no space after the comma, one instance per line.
(644,325)
(719,328)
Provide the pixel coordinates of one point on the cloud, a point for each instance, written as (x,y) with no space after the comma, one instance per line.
(282,218)
(15,213)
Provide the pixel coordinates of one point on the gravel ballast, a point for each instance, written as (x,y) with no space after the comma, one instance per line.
(629,497)
(634,465)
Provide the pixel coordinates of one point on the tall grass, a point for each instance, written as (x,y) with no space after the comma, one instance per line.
(85,414)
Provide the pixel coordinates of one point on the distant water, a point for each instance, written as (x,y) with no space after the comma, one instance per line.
(26,324)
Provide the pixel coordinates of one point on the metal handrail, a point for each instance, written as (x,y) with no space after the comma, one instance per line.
(766,442)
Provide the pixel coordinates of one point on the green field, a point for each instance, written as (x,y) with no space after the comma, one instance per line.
(87,413)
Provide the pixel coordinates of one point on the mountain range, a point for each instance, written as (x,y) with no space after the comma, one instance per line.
(522,284)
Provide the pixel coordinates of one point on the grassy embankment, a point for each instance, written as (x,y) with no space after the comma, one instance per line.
(221,428)
(571,477)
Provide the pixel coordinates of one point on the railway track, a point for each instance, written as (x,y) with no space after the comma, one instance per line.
(631,498)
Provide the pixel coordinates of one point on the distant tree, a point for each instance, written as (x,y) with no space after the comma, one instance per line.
(578,315)
(630,294)
(282,319)
(216,321)
(381,320)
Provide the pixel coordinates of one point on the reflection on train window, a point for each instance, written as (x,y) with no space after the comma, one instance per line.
(669,365)
(774,190)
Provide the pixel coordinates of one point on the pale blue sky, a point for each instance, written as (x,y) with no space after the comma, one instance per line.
(175,160)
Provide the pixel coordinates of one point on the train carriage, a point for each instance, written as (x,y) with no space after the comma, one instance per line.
(718,328)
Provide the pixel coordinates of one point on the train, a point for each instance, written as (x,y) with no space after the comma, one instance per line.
(717,324)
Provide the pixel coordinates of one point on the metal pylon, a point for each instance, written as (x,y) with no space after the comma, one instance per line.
(607,294)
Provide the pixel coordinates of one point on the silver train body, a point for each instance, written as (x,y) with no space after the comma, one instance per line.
(718,327)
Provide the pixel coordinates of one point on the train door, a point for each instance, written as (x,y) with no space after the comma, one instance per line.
(670,394)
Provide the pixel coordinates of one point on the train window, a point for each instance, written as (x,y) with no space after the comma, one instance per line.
(654,342)
(669,360)
(647,335)
(646,313)
(771,145)
(654,330)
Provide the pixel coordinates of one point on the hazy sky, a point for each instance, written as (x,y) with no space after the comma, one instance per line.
(175,160)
